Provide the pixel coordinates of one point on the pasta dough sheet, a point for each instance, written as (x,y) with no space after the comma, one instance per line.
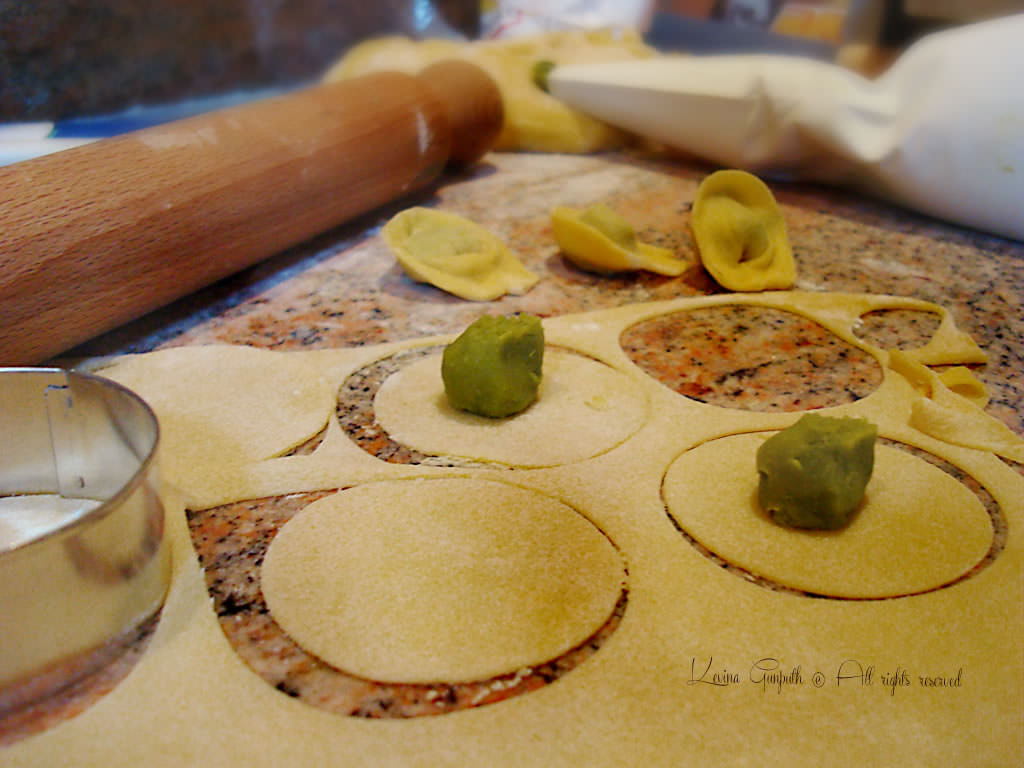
(706,668)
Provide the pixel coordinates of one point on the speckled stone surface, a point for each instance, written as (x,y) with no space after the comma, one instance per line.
(345,289)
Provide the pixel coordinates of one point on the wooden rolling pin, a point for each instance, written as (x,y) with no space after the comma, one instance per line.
(95,236)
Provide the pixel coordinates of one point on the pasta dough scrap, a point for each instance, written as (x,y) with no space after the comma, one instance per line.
(918,528)
(971,429)
(535,121)
(481,579)
(962,381)
(955,418)
(584,408)
(948,346)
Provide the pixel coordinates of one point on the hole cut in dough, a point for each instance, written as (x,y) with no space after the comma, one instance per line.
(440,580)
(752,358)
(917,529)
(584,409)
(897,328)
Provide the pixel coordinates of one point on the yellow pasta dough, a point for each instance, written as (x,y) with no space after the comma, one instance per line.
(599,240)
(535,121)
(195,391)
(954,415)
(740,233)
(699,652)
(482,579)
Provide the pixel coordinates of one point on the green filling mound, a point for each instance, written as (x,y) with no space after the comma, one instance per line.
(813,474)
(494,368)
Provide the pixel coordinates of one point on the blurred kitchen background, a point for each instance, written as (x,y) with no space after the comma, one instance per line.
(65,58)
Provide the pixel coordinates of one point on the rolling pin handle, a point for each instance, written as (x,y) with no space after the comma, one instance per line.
(472,104)
(98,235)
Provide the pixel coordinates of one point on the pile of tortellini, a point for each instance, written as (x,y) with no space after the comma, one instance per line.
(535,121)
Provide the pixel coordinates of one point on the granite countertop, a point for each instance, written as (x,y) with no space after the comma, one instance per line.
(344,289)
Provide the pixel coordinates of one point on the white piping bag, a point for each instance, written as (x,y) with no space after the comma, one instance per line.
(941,132)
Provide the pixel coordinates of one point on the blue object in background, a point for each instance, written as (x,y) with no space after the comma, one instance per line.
(136,118)
(23,141)
(682,34)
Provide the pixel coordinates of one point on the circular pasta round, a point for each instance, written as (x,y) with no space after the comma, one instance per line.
(917,529)
(440,580)
(223,403)
(584,408)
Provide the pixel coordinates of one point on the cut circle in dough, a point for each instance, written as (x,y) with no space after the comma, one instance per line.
(584,408)
(440,580)
(753,358)
(225,403)
(918,528)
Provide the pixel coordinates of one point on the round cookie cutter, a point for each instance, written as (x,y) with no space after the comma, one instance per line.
(83,556)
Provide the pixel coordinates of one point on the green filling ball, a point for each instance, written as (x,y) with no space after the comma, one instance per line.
(813,474)
(494,368)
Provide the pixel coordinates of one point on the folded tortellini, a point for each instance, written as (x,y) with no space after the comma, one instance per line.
(740,233)
(598,239)
(455,254)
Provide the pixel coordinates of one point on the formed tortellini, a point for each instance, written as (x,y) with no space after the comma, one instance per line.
(455,254)
(740,233)
(600,240)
